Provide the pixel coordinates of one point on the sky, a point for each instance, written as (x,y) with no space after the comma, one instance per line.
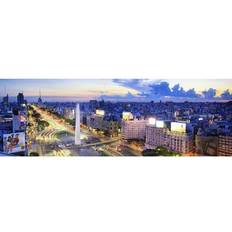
(119,89)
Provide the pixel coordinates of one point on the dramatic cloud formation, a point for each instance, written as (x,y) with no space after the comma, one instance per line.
(121,89)
(129,83)
(159,90)
(226,95)
(209,94)
(141,85)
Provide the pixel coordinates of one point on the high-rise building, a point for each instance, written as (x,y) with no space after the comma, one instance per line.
(134,129)
(180,142)
(77,126)
(16,120)
(206,144)
(101,123)
(156,136)
(40,102)
(5,100)
(175,139)
(20,99)
(69,113)
(93,105)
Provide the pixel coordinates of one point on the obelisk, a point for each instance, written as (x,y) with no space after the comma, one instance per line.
(77,127)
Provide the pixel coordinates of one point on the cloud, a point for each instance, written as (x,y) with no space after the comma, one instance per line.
(129,83)
(156,88)
(163,89)
(160,90)
(191,93)
(209,94)
(178,91)
(141,85)
(226,95)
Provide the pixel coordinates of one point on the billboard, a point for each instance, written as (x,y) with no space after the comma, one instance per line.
(151,121)
(100,112)
(159,124)
(127,116)
(178,127)
(14,142)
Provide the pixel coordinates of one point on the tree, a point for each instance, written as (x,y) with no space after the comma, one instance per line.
(70,121)
(33,153)
(159,151)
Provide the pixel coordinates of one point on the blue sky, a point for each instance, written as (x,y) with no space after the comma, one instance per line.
(120,89)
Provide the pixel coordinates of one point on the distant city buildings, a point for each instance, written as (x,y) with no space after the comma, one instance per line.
(196,128)
(20,99)
(69,113)
(13,122)
(5,102)
(168,124)
(40,102)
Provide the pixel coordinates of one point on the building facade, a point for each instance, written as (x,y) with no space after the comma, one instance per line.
(20,99)
(206,144)
(156,136)
(100,123)
(134,129)
(176,141)
(224,145)
(180,142)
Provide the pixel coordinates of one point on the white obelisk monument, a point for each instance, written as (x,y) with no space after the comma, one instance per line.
(77,127)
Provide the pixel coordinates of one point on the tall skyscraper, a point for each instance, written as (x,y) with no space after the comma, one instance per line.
(16,120)
(77,127)
(5,102)
(40,102)
(20,99)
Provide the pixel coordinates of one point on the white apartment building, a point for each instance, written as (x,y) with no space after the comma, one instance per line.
(156,136)
(176,141)
(134,129)
(180,142)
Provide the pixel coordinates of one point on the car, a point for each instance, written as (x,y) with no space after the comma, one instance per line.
(61,146)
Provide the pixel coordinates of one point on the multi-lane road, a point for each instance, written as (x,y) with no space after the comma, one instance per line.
(58,140)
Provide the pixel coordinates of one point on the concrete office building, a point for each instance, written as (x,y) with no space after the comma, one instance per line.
(134,129)
(101,123)
(156,136)
(20,99)
(225,145)
(175,139)
(180,142)
(205,144)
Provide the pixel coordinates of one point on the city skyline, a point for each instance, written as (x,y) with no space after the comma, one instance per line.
(118,128)
(119,89)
